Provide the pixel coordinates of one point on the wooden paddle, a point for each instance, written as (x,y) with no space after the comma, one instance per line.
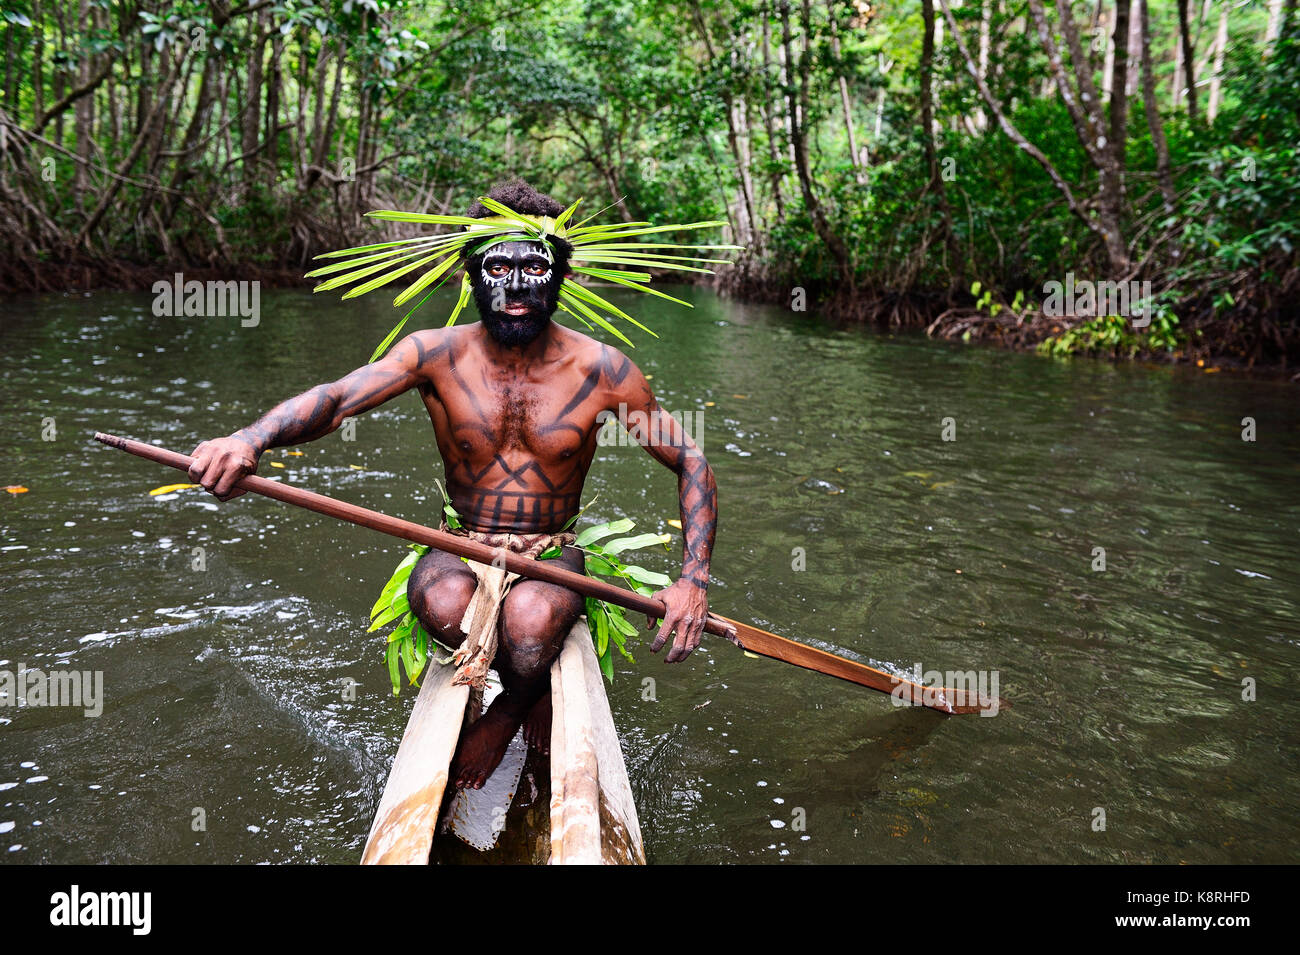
(945,700)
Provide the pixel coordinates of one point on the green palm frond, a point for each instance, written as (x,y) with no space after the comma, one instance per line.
(595,248)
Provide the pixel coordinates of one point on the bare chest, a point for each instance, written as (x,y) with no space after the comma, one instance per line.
(546,420)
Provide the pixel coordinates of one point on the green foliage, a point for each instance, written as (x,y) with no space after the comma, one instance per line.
(610,627)
(408,644)
(1115,336)
(671,112)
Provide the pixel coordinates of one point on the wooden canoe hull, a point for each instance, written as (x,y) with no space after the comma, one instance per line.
(578,810)
(593,817)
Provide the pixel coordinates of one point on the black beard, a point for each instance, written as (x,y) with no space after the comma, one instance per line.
(515,331)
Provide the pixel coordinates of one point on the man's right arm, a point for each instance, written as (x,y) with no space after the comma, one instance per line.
(221,463)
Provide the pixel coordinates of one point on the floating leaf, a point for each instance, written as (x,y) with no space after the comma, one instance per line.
(165,489)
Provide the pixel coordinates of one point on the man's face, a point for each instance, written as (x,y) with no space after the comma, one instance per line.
(516,290)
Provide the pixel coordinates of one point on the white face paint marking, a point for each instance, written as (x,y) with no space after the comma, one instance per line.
(499,281)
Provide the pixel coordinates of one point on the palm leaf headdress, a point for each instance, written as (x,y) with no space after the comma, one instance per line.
(611,253)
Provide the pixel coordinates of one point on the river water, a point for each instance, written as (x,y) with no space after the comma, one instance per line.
(1154,712)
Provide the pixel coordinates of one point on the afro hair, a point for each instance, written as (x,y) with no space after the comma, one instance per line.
(519,196)
(523,198)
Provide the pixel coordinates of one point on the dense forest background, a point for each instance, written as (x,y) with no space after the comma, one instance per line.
(929,163)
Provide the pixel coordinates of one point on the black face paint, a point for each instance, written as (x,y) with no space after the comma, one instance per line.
(516,287)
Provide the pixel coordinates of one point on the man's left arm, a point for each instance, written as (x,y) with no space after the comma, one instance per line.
(686,601)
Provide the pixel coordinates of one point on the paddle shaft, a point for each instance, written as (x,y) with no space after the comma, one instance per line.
(743,635)
(547,571)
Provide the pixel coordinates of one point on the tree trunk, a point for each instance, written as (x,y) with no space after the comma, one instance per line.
(798,99)
(769,111)
(253,98)
(935,180)
(1274,27)
(271,135)
(845,103)
(1163,176)
(1085,114)
(927,93)
(300,155)
(38,66)
(323,144)
(985,48)
(1189,59)
(744,160)
(114,183)
(737,134)
(60,74)
(1134,54)
(1110,193)
(84,112)
(1216,78)
(185,162)
(1108,65)
(312,156)
(11,93)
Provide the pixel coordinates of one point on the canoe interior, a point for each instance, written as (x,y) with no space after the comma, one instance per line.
(573,808)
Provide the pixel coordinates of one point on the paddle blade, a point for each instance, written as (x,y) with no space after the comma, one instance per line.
(955,701)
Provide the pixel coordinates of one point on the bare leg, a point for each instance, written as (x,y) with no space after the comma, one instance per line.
(535,619)
(439,590)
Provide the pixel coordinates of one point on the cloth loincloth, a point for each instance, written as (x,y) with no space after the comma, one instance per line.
(473,658)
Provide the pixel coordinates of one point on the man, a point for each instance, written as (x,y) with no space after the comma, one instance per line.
(514,401)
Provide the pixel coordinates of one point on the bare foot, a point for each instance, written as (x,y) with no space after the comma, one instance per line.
(484,744)
(537,726)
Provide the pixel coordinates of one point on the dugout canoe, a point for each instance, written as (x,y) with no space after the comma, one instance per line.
(589,817)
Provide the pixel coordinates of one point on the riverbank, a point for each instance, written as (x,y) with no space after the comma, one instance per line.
(1260,337)
(1248,344)
(94,273)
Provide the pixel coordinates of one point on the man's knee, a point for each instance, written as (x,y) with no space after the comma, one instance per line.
(532,632)
(439,600)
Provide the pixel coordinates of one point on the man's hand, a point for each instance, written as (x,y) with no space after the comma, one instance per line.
(687,609)
(220,464)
